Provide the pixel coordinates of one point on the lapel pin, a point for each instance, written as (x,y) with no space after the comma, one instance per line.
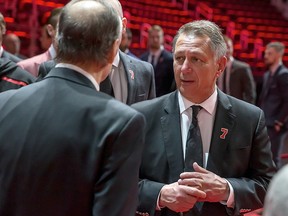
(224,133)
(131,74)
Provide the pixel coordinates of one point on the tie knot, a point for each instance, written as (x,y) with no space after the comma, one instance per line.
(195,109)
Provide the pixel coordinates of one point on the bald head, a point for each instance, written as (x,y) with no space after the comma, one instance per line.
(12,43)
(87,32)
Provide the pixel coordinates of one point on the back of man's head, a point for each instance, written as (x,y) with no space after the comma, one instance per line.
(54,16)
(87,32)
(277,195)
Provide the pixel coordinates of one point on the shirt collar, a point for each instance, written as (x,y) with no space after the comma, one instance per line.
(116,60)
(80,70)
(52,51)
(209,104)
(1,51)
(158,52)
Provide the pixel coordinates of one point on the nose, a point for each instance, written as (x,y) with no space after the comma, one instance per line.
(186,67)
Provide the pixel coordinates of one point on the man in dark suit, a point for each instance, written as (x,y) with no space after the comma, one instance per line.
(65,148)
(237,79)
(12,76)
(3,53)
(161,59)
(274,97)
(228,135)
(132,80)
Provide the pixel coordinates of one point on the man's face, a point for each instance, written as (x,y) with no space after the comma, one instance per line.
(271,56)
(155,39)
(229,52)
(125,42)
(196,68)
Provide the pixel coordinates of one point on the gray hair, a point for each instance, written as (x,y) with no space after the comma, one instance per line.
(88,35)
(277,195)
(278,46)
(2,24)
(202,28)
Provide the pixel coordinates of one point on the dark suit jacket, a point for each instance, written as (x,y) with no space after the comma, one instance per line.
(12,76)
(243,157)
(139,74)
(10,56)
(68,150)
(242,85)
(274,97)
(164,73)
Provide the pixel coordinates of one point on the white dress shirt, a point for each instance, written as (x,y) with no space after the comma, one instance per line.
(205,118)
(119,80)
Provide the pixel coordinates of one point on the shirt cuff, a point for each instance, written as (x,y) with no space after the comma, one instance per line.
(230,202)
(158,208)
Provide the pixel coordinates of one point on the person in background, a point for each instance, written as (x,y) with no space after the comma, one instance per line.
(45,39)
(67,149)
(12,76)
(126,42)
(277,195)
(130,80)
(161,59)
(12,44)
(205,153)
(274,97)
(32,64)
(3,53)
(237,79)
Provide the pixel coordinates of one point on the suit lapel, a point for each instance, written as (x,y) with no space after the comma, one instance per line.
(221,136)
(171,131)
(129,69)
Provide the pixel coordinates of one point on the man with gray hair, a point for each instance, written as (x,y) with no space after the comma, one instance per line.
(206,153)
(277,195)
(67,149)
(274,97)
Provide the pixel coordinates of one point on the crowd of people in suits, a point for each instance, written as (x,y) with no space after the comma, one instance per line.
(88,128)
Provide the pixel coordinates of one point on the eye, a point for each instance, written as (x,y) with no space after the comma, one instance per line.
(180,59)
(195,59)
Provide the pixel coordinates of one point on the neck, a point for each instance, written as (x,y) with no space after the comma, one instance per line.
(274,66)
(98,72)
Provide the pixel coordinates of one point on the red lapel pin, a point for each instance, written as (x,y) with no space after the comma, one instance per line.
(224,133)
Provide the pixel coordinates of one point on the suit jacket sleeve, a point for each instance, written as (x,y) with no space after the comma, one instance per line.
(152,92)
(282,82)
(250,190)
(120,171)
(249,87)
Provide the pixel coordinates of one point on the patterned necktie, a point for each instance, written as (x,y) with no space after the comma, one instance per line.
(106,87)
(194,148)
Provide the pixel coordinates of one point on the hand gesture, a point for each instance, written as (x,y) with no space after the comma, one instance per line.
(179,198)
(215,187)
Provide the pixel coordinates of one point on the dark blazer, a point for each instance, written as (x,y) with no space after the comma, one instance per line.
(12,76)
(274,97)
(68,150)
(242,85)
(139,74)
(10,56)
(164,73)
(243,157)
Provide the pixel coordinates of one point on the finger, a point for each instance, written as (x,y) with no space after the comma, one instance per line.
(197,183)
(198,168)
(193,191)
